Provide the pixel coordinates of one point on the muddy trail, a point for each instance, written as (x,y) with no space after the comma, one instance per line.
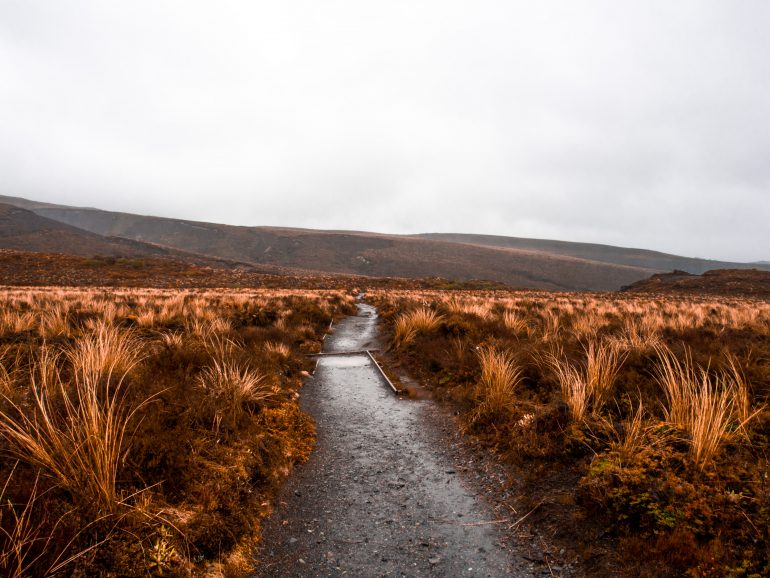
(382,494)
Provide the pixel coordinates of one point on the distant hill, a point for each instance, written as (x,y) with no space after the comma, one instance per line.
(522,263)
(724,282)
(25,230)
(603,253)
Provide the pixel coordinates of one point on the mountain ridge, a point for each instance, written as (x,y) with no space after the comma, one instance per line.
(631,256)
(527,263)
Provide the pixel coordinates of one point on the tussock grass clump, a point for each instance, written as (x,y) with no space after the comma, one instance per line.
(572,383)
(16,321)
(104,352)
(631,440)
(277,348)
(479,308)
(500,377)
(640,334)
(74,434)
(409,324)
(515,322)
(707,405)
(80,451)
(234,386)
(551,325)
(678,380)
(54,322)
(744,409)
(603,363)
(587,385)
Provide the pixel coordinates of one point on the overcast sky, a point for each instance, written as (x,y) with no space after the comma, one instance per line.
(636,123)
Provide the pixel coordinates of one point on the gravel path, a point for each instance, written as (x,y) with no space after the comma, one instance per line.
(380,495)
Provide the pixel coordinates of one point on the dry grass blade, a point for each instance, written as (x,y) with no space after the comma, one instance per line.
(7,375)
(513,321)
(603,363)
(632,438)
(588,386)
(706,406)
(234,385)
(500,376)
(572,382)
(409,324)
(105,352)
(75,435)
(18,533)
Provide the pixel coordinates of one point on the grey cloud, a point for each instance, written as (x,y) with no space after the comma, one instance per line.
(635,123)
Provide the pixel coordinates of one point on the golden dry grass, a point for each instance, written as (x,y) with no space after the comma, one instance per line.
(631,441)
(587,385)
(75,432)
(603,363)
(409,324)
(660,401)
(500,376)
(234,385)
(129,411)
(707,405)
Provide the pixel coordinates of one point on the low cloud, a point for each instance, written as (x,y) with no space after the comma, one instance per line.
(638,124)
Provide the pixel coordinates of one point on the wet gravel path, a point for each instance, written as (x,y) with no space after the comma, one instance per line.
(380,495)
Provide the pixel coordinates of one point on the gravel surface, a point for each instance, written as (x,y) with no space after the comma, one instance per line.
(382,494)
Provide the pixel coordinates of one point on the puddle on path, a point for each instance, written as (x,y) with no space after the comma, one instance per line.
(379,496)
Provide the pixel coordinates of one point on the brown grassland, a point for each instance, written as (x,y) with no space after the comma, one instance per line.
(637,427)
(145,431)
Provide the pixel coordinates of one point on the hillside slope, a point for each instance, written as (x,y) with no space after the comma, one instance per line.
(516,262)
(25,230)
(354,253)
(603,253)
(725,282)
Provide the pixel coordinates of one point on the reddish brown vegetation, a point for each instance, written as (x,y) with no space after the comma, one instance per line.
(751,283)
(28,269)
(143,432)
(637,425)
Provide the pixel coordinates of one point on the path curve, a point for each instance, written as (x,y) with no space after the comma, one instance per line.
(379,495)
